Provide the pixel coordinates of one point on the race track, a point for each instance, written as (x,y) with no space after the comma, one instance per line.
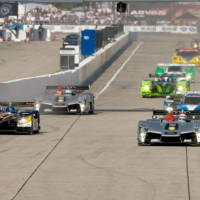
(96,157)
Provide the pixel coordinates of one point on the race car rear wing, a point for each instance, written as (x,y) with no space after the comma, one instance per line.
(165,75)
(195,114)
(18,104)
(187,50)
(174,64)
(64,87)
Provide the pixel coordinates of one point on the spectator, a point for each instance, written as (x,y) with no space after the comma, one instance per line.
(28,31)
(40,31)
(17,27)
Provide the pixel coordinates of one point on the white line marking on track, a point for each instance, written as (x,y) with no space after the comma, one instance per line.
(118,71)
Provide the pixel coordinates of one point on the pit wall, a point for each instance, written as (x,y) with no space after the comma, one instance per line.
(28,89)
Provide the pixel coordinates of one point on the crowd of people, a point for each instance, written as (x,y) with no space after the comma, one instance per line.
(105,16)
(51,15)
(92,16)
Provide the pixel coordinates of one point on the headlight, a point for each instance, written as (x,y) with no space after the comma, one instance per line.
(143,132)
(195,45)
(188,76)
(198,135)
(25,120)
(82,106)
(147,87)
(180,88)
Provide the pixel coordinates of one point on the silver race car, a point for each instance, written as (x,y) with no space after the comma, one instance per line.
(170,127)
(66,99)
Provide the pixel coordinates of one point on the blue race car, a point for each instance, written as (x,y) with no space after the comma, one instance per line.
(189,102)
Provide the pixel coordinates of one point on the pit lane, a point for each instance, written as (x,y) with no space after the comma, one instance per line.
(96,156)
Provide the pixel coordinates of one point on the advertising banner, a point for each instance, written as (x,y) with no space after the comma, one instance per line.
(163,29)
(8,9)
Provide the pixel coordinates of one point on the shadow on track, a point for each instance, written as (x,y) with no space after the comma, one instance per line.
(22,134)
(124,110)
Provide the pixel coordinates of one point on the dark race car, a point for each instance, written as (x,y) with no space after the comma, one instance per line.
(66,99)
(19,117)
(170,128)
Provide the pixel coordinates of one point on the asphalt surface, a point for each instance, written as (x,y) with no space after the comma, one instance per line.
(97,156)
(20,60)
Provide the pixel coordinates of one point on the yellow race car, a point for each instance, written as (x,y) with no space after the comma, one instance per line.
(190,56)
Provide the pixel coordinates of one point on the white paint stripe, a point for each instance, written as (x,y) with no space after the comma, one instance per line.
(34,77)
(118,71)
(82,64)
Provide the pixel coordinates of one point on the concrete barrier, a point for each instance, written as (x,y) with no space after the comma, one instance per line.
(27,89)
(91,69)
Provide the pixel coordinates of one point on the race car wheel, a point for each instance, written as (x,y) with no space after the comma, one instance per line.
(91,108)
(38,128)
(30,131)
(146,141)
(146,96)
(194,142)
(143,144)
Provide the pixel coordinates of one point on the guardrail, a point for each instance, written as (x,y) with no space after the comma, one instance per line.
(162,29)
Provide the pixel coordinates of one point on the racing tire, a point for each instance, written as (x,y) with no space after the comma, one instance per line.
(30,132)
(146,96)
(91,108)
(79,111)
(38,130)
(143,144)
(195,144)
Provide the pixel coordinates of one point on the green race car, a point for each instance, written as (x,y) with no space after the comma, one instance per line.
(187,70)
(164,85)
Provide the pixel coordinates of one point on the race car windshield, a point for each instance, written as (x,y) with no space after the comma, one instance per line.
(192,100)
(188,55)
(24,114)
(175,69)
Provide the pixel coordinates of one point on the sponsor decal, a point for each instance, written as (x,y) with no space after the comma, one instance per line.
(151,12)
(191,107)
